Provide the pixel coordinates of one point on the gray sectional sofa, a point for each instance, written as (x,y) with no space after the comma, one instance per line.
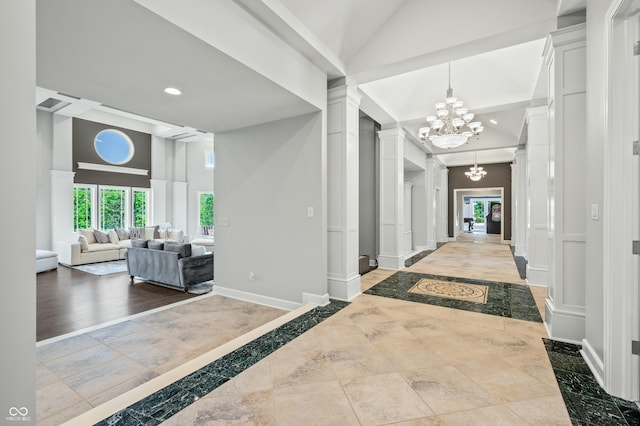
(168,264)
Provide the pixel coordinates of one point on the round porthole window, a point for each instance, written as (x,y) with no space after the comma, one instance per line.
(114,146)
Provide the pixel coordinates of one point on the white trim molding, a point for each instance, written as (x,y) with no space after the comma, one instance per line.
(112,169)
(256,298)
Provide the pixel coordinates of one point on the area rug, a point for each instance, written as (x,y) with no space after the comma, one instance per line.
(103,268)
(201,288)
(451,290)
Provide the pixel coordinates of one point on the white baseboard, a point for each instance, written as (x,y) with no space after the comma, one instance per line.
(563,325)
(345,290)
(391,262)
(596,365)
(520,250)
(315,299)
(256,298)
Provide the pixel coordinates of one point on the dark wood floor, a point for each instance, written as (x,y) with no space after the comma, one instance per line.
(70,300)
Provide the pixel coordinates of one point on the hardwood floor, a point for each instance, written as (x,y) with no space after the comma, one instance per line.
(69,300)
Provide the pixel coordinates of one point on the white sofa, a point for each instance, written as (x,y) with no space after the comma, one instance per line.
(71,253)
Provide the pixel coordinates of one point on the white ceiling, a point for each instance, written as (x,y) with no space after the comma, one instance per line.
(120,54)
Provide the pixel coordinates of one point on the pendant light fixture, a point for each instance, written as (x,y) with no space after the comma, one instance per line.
(475,173)
(452,123)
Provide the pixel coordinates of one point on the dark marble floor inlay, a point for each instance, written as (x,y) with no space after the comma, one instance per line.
(587,403)
(159,406)
(521,263)
(504,299)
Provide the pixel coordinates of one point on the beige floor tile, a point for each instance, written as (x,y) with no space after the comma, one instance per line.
(358,361)
(51,351)
(105,376)
(446,389)
(256,378)
(548,411)
(108,394)
(317,404)
(496,415)
(426,421)
(54,398)
(44,376)
(244,409)
(384,399)
(81,361)
(64,415)
(300,368)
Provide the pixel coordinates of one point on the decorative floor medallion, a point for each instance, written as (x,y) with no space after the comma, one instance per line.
(451,290)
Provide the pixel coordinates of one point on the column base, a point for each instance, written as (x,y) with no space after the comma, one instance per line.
(564,325)
(537,276)
(391,262)
(344,290)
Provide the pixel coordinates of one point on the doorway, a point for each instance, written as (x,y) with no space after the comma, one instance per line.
(478,212)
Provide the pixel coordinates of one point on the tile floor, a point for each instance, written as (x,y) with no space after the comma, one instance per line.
(381,361)
(76,374)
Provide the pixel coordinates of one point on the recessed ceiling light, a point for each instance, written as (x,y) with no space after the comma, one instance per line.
(493,121)
(172,91)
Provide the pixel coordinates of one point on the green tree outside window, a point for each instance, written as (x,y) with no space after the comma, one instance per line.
(206,209)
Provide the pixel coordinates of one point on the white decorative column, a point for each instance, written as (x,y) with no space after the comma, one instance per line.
(537,170)
(433,177)
(443,206)
(180,203)
(343,117)
(391,198)
(62,180)
(519,198)
(408,233)
(565,56)
(158,201)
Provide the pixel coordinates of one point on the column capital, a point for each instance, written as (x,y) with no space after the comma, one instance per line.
(537,112)
(349,92)
(394,132)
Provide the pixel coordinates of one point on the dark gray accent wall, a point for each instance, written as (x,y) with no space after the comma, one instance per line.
(498,175)
(84,133)
(368,178)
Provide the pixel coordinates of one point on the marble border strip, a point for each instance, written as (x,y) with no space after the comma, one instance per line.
(504,299)
(586,401)
(202,375)
(521,263)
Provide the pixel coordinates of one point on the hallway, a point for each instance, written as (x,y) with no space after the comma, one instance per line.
(382,361)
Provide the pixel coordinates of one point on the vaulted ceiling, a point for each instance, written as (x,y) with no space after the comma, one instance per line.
(119,53)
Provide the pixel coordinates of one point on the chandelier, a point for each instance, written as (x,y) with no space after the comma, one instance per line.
(452,123)
(475,173)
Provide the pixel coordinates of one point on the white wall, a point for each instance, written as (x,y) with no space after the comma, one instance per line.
(44,154)
(200,180)
(266,178)
(18,175)
(595,124)
(367,211)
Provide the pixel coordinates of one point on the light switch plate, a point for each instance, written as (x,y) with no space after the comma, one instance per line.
(595,212)
(222,221)
(310,212)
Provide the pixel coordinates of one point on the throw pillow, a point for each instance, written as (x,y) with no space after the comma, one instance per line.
(197,250)
(84,244)
(113,236)
(123,234)
(151,232)
(183,250)
(176,235)
(101,237)
(137,233)
(139,243)
(156,245)
(88,234)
